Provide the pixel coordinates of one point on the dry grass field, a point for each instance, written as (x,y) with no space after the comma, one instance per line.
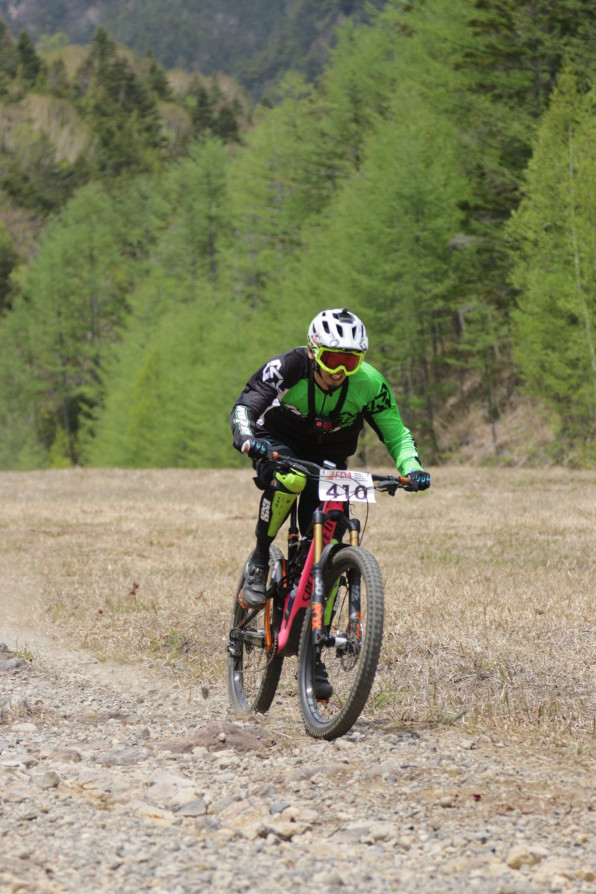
(490,582)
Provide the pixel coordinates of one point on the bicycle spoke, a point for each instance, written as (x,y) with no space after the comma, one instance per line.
(253,672)
(351,650)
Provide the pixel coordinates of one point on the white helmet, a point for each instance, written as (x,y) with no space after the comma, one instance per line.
(339,329)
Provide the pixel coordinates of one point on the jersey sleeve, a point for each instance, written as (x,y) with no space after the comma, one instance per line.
(383,415)
(262,391)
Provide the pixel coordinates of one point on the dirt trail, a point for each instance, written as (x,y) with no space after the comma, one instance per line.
(123,778)
(25,630)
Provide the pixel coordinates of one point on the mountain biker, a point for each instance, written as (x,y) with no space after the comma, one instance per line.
(310,403)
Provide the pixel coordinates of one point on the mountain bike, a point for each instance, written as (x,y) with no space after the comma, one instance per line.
(324,603)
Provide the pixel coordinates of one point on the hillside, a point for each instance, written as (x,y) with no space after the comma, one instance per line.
(161,237)
(252,40)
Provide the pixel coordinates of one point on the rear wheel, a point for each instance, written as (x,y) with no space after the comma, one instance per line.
(353,612)
(253,671)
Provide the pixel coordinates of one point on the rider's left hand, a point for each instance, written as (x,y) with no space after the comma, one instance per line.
(419,480)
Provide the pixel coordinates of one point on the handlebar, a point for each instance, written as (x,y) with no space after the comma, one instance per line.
(386,483)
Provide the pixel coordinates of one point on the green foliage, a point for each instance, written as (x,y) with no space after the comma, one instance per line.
(120,110)
(256,41)
(72,300)
(554,239)
(112,116)
(34,178)
(30,66)
(301,40)
(163,380)
(509,68)
(167,387)
(9,57)
(9,259)
(384,187)
(383,245)
(211,115)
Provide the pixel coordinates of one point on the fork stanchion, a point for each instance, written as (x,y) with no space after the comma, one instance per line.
(317,577)
(267,619)
(318,522)
(355,536)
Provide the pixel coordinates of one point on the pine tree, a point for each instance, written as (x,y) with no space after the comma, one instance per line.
(509,67)
(30,66)
(120,110)
(9,258)
(70,306)
(554,250)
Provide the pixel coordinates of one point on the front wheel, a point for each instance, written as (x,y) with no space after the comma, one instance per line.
(253,672)
(353,609)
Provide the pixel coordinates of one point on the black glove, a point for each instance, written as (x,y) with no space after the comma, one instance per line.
(257,449)
(419,480)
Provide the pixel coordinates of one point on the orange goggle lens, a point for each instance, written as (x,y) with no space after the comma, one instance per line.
(334,361)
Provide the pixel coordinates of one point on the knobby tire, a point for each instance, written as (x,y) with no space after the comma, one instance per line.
(350,672)
(253,674)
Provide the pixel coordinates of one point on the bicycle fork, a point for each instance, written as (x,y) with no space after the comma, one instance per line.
(321,615)
(317,579)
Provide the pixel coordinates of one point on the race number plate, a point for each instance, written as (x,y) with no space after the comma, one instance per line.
(344,485)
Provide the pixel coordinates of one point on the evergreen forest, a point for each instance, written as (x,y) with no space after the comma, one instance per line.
(162,233)
(254,41)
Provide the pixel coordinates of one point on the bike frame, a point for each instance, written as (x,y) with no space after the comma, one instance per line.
(310,584)
(314,609)
(310,587)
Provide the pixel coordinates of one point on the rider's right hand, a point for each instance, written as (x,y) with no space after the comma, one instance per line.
(257,449)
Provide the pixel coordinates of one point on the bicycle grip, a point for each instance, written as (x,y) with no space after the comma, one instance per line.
(273,454)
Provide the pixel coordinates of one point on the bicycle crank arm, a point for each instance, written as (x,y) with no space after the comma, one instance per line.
(254,637)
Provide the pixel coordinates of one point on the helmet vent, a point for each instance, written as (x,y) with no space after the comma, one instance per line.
(338,328)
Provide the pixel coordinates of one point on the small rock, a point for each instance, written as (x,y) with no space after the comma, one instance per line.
(150,811)
(207,823)
(13,664)
(520,855)
(49,779)
(67,755)
(122,756)
(553,869)
(171,789)
(192,808)
(278,806)
(24,727)
(284,829)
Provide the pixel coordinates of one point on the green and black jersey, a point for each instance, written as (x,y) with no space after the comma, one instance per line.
(282,402)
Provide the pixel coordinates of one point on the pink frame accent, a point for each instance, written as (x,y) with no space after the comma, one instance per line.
(302,597)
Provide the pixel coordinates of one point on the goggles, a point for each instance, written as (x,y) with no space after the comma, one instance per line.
(334,361)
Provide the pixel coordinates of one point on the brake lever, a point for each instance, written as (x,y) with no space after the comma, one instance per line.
(390,485)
